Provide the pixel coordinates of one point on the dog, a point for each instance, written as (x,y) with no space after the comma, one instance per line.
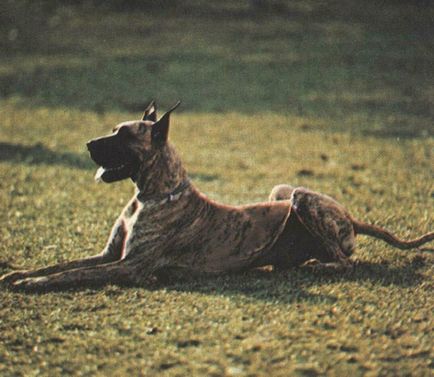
(169,224)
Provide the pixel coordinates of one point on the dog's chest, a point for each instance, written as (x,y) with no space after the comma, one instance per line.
(130,214)
(143,225)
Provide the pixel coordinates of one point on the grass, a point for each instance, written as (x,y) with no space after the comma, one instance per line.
(337,97)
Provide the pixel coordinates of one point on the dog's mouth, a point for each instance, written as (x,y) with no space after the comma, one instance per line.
(113,174)
(116,163)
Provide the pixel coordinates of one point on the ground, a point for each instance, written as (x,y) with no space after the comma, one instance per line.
(338,97)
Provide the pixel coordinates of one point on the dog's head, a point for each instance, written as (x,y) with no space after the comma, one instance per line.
(131,146)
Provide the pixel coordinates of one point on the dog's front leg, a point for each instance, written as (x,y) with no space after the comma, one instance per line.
(111,253)
(110,273)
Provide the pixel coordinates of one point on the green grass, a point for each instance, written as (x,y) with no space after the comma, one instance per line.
(337,97)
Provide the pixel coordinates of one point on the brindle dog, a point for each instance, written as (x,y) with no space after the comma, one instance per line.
(170,224)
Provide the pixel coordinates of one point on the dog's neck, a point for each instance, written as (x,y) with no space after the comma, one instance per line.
(163,175)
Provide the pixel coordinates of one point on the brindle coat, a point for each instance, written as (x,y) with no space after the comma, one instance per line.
(170,224)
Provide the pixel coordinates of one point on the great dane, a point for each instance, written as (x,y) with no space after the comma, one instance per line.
(169,224)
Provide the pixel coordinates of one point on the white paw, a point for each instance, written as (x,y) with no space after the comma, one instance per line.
(311,263)
(12,277)
(30,283)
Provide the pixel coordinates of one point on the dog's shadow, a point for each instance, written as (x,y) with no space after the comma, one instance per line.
(293,285)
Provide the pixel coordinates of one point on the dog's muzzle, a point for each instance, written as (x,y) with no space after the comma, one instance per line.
(115,163)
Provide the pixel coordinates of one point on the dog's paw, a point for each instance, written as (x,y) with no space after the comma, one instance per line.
(311,264)
(12,277)
(332,267)
(30,284)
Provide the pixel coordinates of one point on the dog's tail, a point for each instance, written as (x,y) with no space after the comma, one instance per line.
(383,234)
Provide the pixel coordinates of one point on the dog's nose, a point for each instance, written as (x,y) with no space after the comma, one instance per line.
(89,144)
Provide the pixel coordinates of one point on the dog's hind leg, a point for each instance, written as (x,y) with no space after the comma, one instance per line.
(111,253)
(328,223)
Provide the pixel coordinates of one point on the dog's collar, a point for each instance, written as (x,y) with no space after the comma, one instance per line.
(166,197)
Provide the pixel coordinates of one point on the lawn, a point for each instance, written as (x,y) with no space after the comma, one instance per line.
(335,96)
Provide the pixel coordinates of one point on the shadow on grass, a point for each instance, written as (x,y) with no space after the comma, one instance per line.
(38,154)
(302,60)
(290,286)
(288,86)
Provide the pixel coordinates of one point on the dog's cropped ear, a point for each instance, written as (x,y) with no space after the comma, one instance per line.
(150,112)
(160,129)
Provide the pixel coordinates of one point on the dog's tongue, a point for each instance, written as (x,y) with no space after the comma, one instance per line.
(99,174)
(112,175)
